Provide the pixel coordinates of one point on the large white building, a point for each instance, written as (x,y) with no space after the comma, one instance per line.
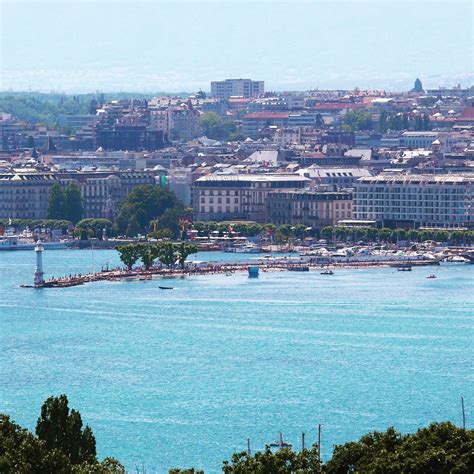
(444,201)
(426,139)
(237,88)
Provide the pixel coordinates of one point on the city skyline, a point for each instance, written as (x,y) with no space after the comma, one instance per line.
(183,46)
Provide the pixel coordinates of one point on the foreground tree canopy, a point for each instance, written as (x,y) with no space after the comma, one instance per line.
(61,445)
(441,448)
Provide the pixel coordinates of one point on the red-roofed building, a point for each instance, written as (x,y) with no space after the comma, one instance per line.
(239,103)
(467,115)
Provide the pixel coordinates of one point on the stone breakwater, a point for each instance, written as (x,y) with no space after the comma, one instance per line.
(190,269)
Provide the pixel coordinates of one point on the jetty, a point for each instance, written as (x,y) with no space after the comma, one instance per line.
(211,268)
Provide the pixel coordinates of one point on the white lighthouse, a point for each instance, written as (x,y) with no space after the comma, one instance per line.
(39,280)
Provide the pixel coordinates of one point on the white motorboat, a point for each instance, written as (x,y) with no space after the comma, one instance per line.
(11,241)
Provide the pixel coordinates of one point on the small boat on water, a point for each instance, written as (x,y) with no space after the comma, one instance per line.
(280,443)
(327,272)
(431,276)
(166,288)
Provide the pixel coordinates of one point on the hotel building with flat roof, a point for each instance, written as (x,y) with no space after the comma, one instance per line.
(439,201)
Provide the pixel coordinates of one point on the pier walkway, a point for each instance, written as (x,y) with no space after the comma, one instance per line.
(211,268)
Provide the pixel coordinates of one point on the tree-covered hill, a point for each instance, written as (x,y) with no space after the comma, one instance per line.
(44,109)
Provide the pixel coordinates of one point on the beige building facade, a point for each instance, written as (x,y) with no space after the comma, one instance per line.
(240,196)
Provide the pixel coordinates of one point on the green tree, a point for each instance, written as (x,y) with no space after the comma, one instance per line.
(440,448)
(183,251)
(133,227)
(144,204)
(357,119)
(94,227)
(161,234)
(93,105)
(167,253)
(56,208)
(385,234)
(413,235)
(170,220)
(382,123)
(283,461)
(426,123)
(328,232)
(395,122)
(418,123)
(73,209)
(129,254)
(61,428)
(148,254)
(216,128)
(20,451)
(405,122)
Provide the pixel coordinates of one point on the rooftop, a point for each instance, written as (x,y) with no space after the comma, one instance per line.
(267,177)
(467,178)
(267,115)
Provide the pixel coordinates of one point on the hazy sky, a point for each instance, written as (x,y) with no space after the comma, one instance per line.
(76,46)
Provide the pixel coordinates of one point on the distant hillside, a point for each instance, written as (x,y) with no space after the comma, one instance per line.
(43,109)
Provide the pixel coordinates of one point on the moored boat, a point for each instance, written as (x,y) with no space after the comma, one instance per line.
(10,241)
(280,443)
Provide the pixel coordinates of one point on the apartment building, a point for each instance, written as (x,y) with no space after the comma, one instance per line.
(444,201)
(183,122)
(237,88)
(25,195)
(239,196)
(310,207)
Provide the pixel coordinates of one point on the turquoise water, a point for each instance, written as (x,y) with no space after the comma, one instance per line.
(184,377)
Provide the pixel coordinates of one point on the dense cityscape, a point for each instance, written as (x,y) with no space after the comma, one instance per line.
(236,237)
(316,158)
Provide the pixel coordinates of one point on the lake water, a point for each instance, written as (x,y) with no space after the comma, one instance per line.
(184,377)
